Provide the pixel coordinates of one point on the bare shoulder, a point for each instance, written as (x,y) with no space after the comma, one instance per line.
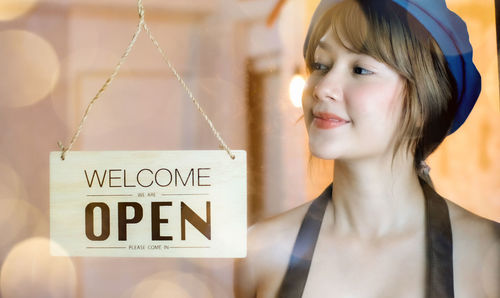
(476,249)
(283,225)
(270,243)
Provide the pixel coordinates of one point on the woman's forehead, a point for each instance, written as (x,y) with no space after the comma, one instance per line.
(345,24)
(331,42)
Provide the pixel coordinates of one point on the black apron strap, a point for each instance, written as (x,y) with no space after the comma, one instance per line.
(439,245)
(296,274)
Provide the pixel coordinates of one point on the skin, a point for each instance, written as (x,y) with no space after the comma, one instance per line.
(372,239)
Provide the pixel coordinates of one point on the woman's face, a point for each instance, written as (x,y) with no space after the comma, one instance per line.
(352,103)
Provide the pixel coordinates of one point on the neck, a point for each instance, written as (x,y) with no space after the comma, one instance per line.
(371,200)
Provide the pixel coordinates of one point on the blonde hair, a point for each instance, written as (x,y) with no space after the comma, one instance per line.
(385,31)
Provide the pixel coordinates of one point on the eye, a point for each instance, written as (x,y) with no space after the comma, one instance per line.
(361,71)
(319,67)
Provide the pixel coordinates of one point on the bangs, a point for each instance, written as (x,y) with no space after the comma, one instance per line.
(355,31)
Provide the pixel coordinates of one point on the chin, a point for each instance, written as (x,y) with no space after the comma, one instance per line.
(323,151)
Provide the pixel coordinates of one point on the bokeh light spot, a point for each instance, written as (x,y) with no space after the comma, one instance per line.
(30,68)
(23,221)
(297,85)
(12,9)
(30,271)
(172,284)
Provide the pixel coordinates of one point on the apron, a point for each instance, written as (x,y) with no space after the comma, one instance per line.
(439,247)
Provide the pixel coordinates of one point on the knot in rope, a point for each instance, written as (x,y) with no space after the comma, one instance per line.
(63,149)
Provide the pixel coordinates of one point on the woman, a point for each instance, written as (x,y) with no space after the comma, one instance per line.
(388,81)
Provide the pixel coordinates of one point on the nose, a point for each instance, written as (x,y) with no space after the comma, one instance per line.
(329,87)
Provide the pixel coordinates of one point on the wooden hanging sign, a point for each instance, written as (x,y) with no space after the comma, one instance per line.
(149,203)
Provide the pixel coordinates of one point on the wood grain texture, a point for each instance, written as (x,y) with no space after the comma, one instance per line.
(150,187)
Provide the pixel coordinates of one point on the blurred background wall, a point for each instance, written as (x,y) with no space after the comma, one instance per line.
(56,54)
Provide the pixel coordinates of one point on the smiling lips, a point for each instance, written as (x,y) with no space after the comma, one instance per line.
(327,120)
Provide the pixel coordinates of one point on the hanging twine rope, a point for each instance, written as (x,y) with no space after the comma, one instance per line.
(142,25)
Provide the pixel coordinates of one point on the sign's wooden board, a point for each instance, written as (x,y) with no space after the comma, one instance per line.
(149,203)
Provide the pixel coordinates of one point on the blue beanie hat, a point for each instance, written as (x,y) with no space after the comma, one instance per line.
(450,33)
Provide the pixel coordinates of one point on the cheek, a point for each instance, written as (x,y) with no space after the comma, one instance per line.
(376,103)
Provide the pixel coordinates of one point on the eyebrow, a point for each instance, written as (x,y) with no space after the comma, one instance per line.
(324,45)
(328,47)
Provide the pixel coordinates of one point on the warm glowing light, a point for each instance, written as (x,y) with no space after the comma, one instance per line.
(172,284)
(30,271)
(11,9)
(297,85)
(30,68)
(23,219)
